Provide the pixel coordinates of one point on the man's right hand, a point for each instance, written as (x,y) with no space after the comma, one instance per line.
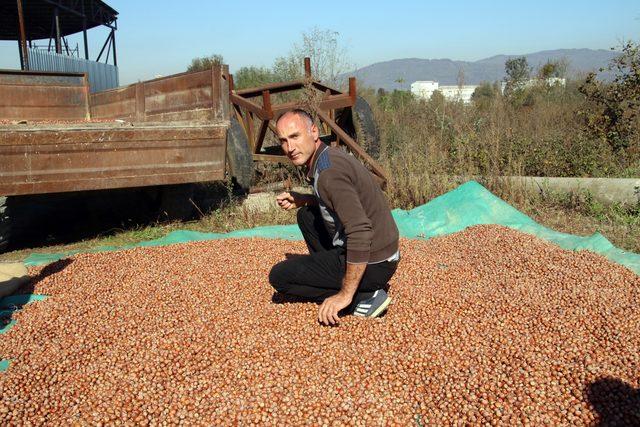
(288,201)
(292,200)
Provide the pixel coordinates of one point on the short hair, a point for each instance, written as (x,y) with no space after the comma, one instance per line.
(300,113)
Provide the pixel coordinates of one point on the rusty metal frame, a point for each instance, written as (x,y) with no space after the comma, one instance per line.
(252,115)
(165,131)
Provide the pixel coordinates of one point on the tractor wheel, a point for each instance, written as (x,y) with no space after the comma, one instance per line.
(5,223)
(239,158)
(366,128)
(360,124)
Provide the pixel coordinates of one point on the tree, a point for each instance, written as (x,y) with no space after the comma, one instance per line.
(437,98)
(613,110)
(328,57)
(484,94)
(205,62)
(553,69)
(518,72)
(247,77)
(288,67)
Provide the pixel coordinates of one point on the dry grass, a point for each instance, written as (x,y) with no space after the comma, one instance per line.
(425,142)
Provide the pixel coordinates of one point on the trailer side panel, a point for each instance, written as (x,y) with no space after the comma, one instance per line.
(43,96)
(198,96)
(45,161)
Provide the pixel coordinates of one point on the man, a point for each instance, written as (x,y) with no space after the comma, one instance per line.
(346,223)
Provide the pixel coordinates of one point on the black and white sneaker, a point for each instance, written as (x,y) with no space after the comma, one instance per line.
(374,306)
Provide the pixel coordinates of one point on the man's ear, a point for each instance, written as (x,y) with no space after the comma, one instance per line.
(315,132)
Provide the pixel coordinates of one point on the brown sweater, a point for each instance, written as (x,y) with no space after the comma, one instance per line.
(353,206)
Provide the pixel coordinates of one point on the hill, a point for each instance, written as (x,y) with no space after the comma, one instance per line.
(400,73)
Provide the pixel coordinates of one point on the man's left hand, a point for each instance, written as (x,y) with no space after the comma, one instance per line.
(328,312)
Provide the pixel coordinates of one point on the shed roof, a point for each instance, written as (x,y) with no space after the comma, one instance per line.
(39,15)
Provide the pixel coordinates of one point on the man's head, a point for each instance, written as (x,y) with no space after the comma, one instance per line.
(298,135)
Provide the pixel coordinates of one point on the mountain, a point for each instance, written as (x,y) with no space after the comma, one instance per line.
(400,73)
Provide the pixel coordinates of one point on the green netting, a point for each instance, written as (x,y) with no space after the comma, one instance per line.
(469,204)
(8,306)
(15,301)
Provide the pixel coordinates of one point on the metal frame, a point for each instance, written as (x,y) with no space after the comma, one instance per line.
(177,132)
(96,15)
(249,112)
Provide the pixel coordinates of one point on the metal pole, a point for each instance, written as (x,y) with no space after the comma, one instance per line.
(84,33)
(21,58)
(106,59)
(24,54)
(104,46)
(53,26)
(113,39)
(57,20)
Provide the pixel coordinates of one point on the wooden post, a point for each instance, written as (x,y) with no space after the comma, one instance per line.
(266,103)
(352,89)
(307,67)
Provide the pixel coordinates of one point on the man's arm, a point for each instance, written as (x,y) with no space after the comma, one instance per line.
(328,312)
(338,191)
(293,200)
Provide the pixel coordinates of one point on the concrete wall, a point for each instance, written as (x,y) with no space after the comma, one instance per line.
(458,93)
(619,190)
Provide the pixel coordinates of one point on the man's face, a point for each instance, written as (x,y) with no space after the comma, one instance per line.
(297,138)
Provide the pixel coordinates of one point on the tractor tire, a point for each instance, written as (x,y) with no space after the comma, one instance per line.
(367,129)
(5,223)
(360,125)
(239,158)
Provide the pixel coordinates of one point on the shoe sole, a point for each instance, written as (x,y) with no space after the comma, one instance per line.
(382,308)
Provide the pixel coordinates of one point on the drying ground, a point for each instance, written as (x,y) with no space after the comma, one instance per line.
(486,325)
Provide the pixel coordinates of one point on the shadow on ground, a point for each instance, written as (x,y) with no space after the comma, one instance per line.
(56,219)
(48,270)
(615,402)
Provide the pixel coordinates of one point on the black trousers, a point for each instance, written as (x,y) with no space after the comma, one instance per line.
(319,275)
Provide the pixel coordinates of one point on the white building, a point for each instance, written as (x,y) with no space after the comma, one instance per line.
(424,89)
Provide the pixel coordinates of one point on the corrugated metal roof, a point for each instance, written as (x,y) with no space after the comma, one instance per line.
(39,15)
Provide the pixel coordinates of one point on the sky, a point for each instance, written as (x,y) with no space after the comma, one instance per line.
(161,37)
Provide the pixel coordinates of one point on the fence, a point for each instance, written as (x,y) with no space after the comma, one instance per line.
(101,76)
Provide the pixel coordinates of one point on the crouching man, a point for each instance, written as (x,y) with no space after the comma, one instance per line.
(346,223)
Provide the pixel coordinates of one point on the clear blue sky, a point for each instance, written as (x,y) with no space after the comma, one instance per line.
(161,37)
